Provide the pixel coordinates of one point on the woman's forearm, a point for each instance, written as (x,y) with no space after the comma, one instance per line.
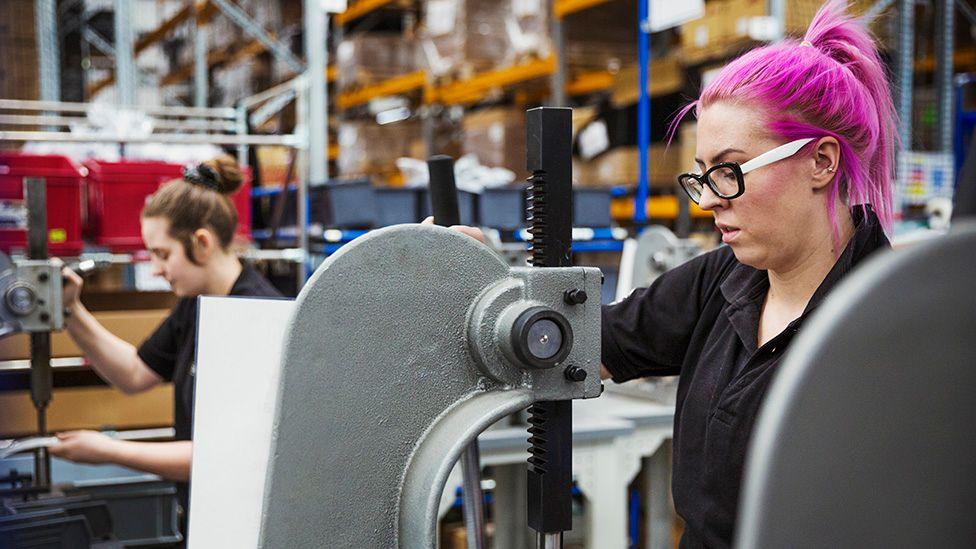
(170,460)
(114,359)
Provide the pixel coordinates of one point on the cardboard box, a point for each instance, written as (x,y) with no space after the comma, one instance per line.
(460,37)
(619,167)
(666,76)
(604,38)
(371,57)
(367,149)
(497,137)
(132,326)
(726,23)
(273,163)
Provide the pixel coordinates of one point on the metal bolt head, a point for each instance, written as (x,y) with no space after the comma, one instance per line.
(574,296)
(575,373)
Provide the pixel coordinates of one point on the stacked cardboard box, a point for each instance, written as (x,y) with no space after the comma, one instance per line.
(497,137)
(19,75)
(460,37)
(602,38)
(729,24)
(371,57)
(619,166)
(370,149)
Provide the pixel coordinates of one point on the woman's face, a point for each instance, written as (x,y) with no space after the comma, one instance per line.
(767,226)
(169,259)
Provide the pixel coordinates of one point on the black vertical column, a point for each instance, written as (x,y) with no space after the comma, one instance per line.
(549,159)
(35,193)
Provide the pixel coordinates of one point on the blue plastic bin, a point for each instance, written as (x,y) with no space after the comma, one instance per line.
(502,208)
(591,208)
(396,205)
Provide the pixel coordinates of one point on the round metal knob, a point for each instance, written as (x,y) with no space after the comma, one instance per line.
(21,299)
(541,337)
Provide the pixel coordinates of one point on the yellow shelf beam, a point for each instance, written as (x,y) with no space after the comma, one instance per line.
(475,88)
(394,86)
(360,8)
(590,82)
(562,8)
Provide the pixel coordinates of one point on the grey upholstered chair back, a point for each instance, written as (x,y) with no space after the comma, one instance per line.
(868,435)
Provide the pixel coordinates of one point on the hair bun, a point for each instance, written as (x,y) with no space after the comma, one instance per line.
(228,173)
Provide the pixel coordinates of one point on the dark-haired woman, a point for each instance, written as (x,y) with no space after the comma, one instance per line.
(187,227)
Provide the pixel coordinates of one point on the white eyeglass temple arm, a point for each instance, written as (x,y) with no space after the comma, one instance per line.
(775,155)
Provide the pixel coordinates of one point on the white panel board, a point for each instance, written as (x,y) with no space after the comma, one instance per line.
(238,364)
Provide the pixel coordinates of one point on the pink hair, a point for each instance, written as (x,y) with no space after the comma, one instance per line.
(831,84)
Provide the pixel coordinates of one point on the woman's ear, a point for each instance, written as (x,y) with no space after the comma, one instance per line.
(826,162)
(204,245)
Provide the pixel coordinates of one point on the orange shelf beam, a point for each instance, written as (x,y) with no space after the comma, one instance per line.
(394,86)
(562,8)
(658,207)
(590,82)
(475,88)
(360,8)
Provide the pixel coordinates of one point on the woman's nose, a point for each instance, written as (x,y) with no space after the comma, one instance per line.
(710,201)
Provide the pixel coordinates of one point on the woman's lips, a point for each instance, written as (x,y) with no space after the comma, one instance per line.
(729,233)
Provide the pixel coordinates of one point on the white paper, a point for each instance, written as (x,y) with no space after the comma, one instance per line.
(667,14)
(26,445)
(440,17)
(593,139)
(238,365)
(332,6)
(526,8)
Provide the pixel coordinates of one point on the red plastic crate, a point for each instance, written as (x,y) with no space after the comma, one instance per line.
(117,192)
(65,204)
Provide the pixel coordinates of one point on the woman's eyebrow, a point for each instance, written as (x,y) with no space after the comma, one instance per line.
(717,157)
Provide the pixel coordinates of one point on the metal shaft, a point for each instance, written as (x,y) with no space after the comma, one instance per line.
(35,191)
(444,206)
(551,541)
(472,498)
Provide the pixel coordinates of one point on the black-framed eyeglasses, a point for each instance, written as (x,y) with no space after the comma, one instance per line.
(727,179)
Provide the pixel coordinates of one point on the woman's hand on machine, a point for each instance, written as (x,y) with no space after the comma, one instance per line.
(473,232)
(85,447)
(71,288)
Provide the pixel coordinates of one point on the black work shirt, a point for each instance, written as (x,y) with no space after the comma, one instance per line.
(701,321)
(171,351)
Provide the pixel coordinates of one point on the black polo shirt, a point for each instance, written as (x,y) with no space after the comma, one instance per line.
(701,321)
(171,352)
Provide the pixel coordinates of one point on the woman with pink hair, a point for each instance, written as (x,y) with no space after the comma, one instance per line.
(795,150)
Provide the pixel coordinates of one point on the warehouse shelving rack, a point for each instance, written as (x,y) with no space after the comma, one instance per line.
(257,40)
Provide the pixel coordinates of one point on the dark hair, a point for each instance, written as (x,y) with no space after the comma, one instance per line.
(199,200)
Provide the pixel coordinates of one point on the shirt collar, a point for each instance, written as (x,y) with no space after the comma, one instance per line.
(744,282)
